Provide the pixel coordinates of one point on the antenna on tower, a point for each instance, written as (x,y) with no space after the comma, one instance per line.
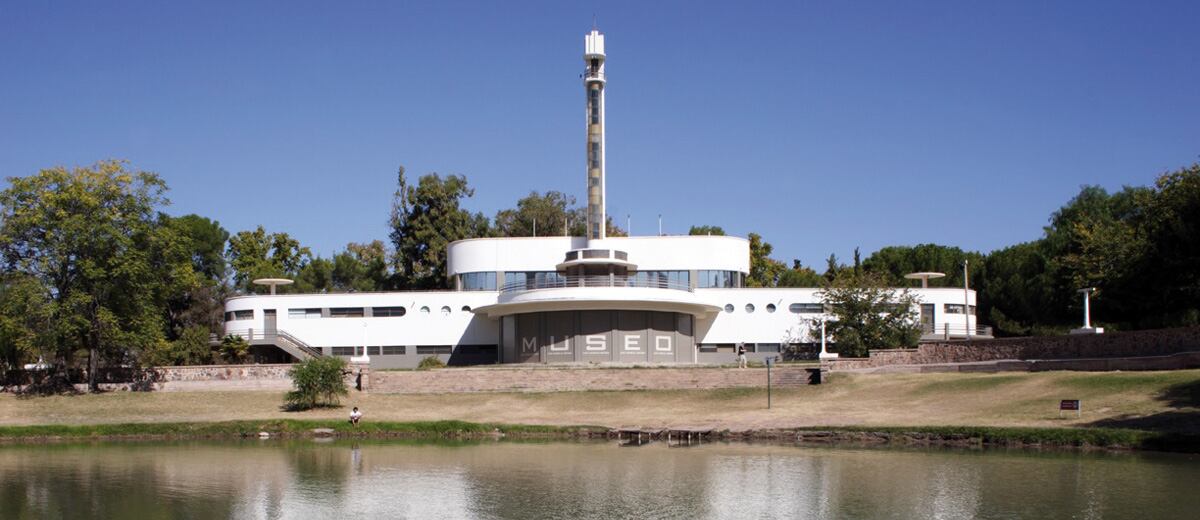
(594,22)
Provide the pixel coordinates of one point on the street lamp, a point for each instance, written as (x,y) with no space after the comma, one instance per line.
(1087,314)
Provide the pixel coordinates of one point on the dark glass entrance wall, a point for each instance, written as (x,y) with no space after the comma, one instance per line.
(598,336)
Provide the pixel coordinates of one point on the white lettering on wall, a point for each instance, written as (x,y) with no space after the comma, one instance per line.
(596,343)
(631,343)
(559,347)
(528,344)
(662,343)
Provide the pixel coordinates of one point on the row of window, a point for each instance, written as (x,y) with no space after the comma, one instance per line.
(957,308)
(662,279)
(341,312)
(795,308)
(720,279)
(730,347)
(391,350)
(485,281)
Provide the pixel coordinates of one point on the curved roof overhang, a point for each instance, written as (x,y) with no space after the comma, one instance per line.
(598,298)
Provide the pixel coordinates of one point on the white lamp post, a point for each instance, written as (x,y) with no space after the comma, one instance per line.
(1087,314)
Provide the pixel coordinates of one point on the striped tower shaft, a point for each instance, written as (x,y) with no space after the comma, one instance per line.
(594,82)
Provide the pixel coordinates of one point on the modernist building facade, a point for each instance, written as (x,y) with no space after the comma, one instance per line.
(591,299)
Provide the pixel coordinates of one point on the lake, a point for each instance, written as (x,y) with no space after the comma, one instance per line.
(398,479)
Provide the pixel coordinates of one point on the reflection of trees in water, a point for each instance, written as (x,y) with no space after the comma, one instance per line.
(319,469)
(75,483)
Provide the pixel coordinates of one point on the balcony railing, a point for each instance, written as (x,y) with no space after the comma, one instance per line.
(562,282)
(949,330)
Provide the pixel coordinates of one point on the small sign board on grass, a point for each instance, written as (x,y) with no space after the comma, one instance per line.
(1070,404)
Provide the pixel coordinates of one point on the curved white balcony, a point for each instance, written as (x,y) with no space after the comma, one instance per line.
(569,293)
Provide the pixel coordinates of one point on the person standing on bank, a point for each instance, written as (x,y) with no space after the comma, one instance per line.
(741,353)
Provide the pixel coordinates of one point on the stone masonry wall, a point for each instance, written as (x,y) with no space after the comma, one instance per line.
(550,379)
(1132,344)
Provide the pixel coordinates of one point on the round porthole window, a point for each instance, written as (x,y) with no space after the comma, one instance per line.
(728,307)
(424,310)
(749,307)
(770,307)
(466,308)
(445,311)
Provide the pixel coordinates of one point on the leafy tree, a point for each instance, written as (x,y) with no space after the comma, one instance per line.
(800,276)
(318,382)
(258,254)
(92,238)
(425,219)
(1018,296)
(551,212)
(764,270)
(315,277)
(867,314)
(706,230)
(24,319)
(894,262)
(363,268)
(203,241)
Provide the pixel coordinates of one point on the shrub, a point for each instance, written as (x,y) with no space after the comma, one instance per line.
(234,348)
(318,382)
(430,363)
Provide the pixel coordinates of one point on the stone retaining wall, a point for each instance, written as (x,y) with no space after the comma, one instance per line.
(545,379)
(1124,345)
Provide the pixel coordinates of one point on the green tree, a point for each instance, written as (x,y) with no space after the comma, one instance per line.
(706,230)
(800,276)
(867,314)
(551,212)
(894,262)
(764,270)
(318,382)
(91,236)
(24,320)
(258,254)
(203,241)
(425,219)
(234,349)
(315,277)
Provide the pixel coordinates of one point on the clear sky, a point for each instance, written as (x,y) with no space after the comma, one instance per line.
(821,125)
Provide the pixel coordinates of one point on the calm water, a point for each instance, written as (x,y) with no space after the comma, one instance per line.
(309,479)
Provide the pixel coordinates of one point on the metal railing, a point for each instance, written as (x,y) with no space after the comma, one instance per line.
(280,338)
(562,282)
(949,330)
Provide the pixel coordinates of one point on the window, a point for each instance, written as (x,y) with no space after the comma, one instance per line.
(807,308)
(728,307)
(724,279)
(424,310)
(344,351)
(766,347)
(372,351)
(533,279)
(445,310)
(387,312)
(595,155)
(485,281)
(346,312)
(662,279)
(429,350)
(466,308)
(770,307)
(243,315)
(954,308)
(749,307)
(393,350)
(708,348)
(303,314)
(594,95)
(239,315)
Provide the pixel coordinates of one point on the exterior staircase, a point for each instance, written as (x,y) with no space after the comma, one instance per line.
(286,342)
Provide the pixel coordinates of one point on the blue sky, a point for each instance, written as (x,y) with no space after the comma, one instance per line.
(822,126)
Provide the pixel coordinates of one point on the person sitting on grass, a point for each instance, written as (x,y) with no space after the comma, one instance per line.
(355,416)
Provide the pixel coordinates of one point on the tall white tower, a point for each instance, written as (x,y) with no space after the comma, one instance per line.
(593,82)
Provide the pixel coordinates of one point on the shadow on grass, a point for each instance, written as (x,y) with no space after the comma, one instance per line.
(1183,398)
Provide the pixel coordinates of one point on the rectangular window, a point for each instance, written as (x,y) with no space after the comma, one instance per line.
(595,155)
(708,348)
(393,350)
(807,308)
(478,281)
(954,308)
(239,315)
(343,351)
(429,350)
(301,314)
(724,279)
(387,312)
(766,347)
(372,351)
(595,105)
(346,312)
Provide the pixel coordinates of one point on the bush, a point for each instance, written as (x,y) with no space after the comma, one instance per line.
(234,348)
(430,362)
(318,383)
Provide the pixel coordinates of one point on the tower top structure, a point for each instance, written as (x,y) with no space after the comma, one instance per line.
(594,83)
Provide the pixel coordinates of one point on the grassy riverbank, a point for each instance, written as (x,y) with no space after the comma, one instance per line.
(1135,409)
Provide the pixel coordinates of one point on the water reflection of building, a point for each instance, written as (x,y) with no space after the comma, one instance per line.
(563,299)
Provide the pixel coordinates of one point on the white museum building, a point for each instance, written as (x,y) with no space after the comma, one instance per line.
(563,299)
